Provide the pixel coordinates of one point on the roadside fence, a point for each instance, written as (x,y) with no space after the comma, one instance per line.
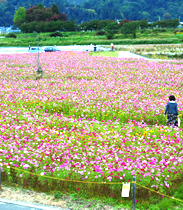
(101,183)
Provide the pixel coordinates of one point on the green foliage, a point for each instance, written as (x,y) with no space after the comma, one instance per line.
(165,204)
(84,26)
(167,16)
(37,13)
(86,38)
(58,194)
(110,36)
(70,26)
(165,23)
(94,25)
(40,6)
(55,9)
(143,24)
(130,28)
(19,16)
(100,33)
(106,54)
(112,27)
(56,34)
(82,10)
(11,35)
(51,26)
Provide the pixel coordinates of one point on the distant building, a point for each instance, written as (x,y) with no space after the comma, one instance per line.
(16,31)
(2,29)
(8,30)
(180,25)
(118,20)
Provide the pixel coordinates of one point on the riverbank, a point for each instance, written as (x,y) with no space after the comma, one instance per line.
(88,38)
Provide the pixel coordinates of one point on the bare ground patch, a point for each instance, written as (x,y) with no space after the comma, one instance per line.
(19,194)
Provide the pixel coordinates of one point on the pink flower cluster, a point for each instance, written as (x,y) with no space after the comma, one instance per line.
(79,144)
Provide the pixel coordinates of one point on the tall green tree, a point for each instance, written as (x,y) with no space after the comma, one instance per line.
(40,6)
(93,25)
(19,16)
(167,16)
(130,28)
(112,27)
(143,24)
(55,9)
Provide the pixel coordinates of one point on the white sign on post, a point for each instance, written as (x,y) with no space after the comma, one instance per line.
(178,122)
(125,190)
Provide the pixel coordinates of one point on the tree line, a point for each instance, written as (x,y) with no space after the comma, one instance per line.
(41,19)
(50,19)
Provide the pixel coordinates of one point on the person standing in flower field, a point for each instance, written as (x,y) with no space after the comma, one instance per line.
(112,46)
(95,48)
(171,111)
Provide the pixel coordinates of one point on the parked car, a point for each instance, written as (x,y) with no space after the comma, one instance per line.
(36,49)
(51,49)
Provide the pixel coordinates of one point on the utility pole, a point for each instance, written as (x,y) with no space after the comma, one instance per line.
(38,61)
(39,70)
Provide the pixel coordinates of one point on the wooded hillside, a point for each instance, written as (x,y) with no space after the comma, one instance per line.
(82,10)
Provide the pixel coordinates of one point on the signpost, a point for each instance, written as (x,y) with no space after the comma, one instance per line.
(134,191)
(126,190)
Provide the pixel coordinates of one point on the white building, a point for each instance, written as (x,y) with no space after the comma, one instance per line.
(8,30)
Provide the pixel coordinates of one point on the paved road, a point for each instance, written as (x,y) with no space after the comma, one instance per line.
(128,54)
(18,205)
(7,50)
(8,206)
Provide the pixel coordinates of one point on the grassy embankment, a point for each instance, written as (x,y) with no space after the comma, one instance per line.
(85,38)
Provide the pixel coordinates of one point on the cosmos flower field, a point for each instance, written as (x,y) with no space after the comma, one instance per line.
(98,119)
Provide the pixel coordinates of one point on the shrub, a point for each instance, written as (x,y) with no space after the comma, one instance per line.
(11,35)
(100,33)
(55,34)
(110,36)
(156,30)
(178,30)
(143,31)
(163,30)
(180,56)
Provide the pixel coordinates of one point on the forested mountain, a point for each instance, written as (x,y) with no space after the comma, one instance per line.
(86,10)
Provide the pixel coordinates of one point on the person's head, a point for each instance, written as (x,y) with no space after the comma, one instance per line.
(172,98)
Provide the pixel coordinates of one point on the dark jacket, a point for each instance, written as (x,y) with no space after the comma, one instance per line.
(171,108)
